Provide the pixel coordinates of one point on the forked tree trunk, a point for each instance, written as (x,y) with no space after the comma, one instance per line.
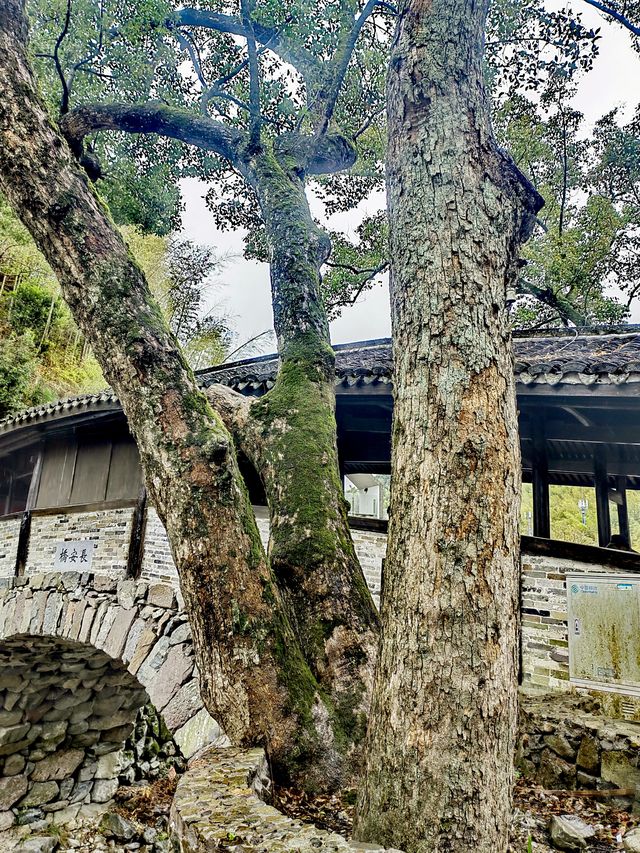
(440,746)
(255,680)
(292,440)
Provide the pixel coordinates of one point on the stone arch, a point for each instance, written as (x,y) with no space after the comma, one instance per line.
(134,635)
(66,709)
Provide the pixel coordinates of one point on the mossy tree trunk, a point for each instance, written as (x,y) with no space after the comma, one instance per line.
(311,549)
(254,677)
(441,740)
(294,440)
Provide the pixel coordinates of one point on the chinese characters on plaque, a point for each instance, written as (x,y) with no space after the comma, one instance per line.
(74,555)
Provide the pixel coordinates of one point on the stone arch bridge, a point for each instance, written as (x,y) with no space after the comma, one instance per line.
(80,655)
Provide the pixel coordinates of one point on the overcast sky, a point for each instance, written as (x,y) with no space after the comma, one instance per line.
(244,294)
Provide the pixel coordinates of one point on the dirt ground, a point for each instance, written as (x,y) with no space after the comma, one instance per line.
(533,808)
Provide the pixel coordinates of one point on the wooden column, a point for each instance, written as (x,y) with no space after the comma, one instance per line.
(540,482)
(623,510)
(22,551)
(602,497)
(136,543)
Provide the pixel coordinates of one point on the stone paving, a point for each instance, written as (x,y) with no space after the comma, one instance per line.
(220,804)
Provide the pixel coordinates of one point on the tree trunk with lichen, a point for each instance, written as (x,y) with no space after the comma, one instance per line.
(440,746)
(290,434)
(254,678)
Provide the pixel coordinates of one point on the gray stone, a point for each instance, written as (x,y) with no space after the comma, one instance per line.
(39,844)
(40,793)
(14,764)
(66,786)
(81,791)
(561,746)
(181,634)
(12,788)
(108,766)
(114,825)
(183,705)
(10,718)
(13,734)
(569,832)
(103,790)
(555,772)
(57,766)
(631,841)
(7,819)
(200,731)
(161,595)
(171,675)
(53,733)
(589,755)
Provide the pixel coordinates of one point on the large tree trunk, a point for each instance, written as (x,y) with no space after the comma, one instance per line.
(255,680)
(440,747)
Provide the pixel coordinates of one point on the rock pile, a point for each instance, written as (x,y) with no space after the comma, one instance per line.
(150,750)
(565,744)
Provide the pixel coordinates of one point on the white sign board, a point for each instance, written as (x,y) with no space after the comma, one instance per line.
(74,555)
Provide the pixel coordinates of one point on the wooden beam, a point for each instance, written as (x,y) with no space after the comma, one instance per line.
(540,481)
(623,509)
(601,482)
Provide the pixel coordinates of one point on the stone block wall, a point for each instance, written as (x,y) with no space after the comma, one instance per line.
(157,562)
(9,532)
(80,654)
(545,639)
(109,528)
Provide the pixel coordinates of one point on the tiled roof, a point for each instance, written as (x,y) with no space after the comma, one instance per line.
(105,400)
(596,356)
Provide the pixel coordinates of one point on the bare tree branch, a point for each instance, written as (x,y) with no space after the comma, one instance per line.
(254,77)
(64,101)
(617,16)
(155,117)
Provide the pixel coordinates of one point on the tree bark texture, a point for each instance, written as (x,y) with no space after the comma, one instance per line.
(290,435)
(311,549)
(255,680)
(440,746)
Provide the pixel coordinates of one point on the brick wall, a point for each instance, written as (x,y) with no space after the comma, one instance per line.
(9,531)
(371,548)
(110,528)
(544,604)
(157,562)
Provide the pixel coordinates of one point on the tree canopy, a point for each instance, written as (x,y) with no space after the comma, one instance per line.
(219,77)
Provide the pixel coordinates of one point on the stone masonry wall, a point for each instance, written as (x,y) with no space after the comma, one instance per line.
(371,549)
(9,532)
(157,562)
(79,655)
(545,639)
(110,528)
(566,742)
